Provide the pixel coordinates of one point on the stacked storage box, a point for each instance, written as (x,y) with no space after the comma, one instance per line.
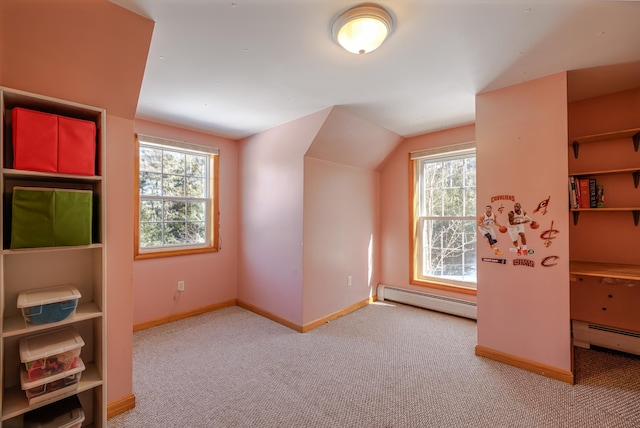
(46,217)
(66,413)
(45,142)
(48,305)
(52,364)
(50,143)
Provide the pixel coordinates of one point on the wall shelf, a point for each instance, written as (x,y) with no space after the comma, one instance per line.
(635,211)
(635,174)
(605,270)
(633,133)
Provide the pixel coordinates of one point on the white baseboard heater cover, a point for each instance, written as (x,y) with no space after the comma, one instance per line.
(586,334)
(434,302)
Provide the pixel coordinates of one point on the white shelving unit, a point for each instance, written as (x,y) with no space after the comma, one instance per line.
(84,267)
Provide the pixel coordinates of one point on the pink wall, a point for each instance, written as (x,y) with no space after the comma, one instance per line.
(394,206)
(617,241)
(271,180)
(309,210)
(341,236)
(91,52)
(521,136)
(120,155)
(341,212)
(209,278)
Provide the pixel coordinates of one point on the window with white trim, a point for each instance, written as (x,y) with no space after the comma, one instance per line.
(444,217)
(177,198)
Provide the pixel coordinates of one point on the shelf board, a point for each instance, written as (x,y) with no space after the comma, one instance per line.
(18,173)
(15,326)
(15,403)
(633,210)
(633,133)
(608,270)
(51,249)
(625,133)
(605,172)
(606,209)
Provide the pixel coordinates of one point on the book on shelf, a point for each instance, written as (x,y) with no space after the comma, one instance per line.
(573,194)
(593,203)
(582,186)
(600,196)
(585,193)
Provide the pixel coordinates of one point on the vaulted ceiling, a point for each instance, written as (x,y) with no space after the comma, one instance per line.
(239,67)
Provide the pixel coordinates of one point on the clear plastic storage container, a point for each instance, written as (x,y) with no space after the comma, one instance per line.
(50,353)
(52,386)
(48,305)
(65,413)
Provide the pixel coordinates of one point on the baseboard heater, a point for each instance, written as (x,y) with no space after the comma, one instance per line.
(586,334)
(434,302)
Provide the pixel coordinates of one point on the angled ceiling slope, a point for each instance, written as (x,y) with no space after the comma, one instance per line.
(349,139)
(90,51)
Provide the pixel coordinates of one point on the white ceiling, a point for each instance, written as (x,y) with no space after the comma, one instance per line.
(238,67)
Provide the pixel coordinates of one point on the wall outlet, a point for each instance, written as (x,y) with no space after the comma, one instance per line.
(349,281)
(180,285)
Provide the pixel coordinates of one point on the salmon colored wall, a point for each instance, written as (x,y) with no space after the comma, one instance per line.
(271,179)
(521,136)
(91,52)
(309,211)
(120,155)
(616,242)
(341,236)
(394,206)
(341,213)
(209,278)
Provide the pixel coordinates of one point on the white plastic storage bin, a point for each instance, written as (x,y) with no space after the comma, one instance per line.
(51,352)
(65,413)
(48,305)
(52,386)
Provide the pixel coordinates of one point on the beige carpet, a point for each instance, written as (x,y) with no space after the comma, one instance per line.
(385,365)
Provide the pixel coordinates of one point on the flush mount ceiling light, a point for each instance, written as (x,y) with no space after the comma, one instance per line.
(362,28)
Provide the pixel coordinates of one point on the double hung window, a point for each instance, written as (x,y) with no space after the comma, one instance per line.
(177,198)
(444,217)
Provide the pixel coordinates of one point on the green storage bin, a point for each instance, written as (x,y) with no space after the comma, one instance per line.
(43,217)
(72,217)
(32,218)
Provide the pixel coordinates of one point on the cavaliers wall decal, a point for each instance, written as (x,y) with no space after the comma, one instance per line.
(520,232)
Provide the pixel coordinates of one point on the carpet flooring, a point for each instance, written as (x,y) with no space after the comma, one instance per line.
(385,365)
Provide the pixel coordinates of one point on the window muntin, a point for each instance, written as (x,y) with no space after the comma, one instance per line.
(177,198)
(444,218)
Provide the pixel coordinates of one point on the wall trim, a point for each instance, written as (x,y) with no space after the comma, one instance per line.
(317,323)
(182,315)
(273,317)
(311,325)
(525,364)
(121,405)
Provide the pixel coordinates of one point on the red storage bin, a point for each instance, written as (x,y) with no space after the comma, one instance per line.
(50,143)
(76,146)
(35,140)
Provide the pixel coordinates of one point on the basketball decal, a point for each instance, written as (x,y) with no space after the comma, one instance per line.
(507,215)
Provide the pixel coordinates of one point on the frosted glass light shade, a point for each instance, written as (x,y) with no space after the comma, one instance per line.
(363,28)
